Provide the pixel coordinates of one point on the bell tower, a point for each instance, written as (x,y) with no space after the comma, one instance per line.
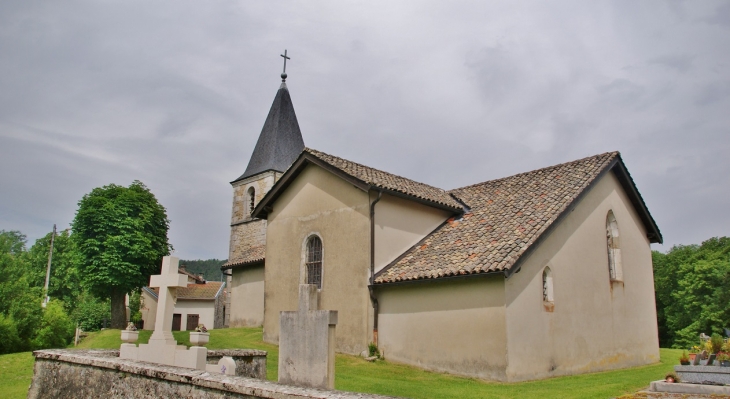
(278,146)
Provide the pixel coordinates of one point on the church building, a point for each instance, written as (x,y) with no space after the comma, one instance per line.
(540,274)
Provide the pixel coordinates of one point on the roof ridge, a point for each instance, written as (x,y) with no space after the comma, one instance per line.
(613,153)
(315,151)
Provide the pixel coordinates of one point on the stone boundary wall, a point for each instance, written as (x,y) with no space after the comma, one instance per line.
(81,374)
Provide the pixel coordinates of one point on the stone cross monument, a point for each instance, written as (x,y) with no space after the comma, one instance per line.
(167,281)
(162,347)
(307,343)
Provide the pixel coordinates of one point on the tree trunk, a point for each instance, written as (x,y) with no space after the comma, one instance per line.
(119,310)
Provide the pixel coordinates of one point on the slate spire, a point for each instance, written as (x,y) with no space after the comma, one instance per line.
(280,141)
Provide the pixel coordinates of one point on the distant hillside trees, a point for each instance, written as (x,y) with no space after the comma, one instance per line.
(692,284)
(121,236)
(210,269)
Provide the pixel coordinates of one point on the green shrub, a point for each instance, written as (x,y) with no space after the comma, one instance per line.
(716,341)
(91,312)
(9,339)
(373,350)
(135,301)
(26,312)
(56,329)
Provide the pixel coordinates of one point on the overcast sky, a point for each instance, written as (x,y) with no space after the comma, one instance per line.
(174,93)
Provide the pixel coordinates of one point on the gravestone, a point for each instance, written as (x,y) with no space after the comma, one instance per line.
(698,357)
(307,343)
(162,347)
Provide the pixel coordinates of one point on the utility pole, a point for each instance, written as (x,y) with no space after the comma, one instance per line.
(46,298)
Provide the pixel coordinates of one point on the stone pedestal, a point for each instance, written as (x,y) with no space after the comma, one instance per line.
(307,343)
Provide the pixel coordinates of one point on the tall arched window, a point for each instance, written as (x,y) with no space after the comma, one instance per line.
(314,261)
(613,247)
(547,285)
(251,197)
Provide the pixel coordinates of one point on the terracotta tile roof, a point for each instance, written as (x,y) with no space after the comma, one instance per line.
(196,291)
(195,277)
(388,181)
(506,217)
(250,256)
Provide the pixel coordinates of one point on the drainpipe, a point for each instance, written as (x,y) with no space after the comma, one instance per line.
(373,299)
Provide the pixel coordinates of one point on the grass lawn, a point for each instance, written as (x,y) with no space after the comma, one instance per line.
(16,370)
(355,374)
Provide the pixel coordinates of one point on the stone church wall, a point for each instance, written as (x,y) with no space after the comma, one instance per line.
(318,202)
(247,233)
(593,323)
(261,184)
(245,236)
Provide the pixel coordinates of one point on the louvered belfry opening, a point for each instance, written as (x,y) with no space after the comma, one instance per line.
(314,261)
(251,200)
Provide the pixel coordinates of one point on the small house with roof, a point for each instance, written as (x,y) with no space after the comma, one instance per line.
(540,274)
(201,302)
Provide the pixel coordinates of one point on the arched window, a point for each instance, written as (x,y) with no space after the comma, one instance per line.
(613,247)
(251,197)
(547,285)
(314,261)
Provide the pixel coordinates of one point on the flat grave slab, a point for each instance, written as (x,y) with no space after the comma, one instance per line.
(703,374)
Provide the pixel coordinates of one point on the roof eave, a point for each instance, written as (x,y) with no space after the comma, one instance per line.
(243,264)
(624,177)
(220,289)
(420,200)
(196,299)
(244,177)
(151,292)
(437,279)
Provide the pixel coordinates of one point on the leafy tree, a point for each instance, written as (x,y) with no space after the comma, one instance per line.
(665,284)
(121,236)
(91,312)
(65,282)
(19,303)
(12,242)
(9,338)
(697,306)
(135,302)
(56,329)
(692,291)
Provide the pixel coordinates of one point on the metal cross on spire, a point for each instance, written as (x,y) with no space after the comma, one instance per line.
(283,74)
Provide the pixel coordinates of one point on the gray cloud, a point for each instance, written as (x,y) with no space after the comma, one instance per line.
(721,16)
(681,63)
(446,93)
